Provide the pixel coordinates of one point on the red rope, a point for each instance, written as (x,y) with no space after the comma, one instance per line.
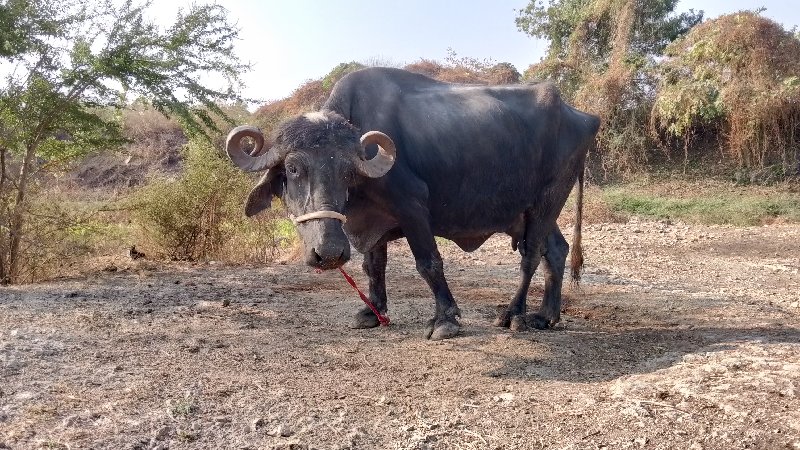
(381,318)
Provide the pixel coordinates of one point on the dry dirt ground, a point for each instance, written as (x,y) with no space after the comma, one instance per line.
(678,337)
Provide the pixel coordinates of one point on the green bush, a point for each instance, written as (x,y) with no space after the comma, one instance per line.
(199,215)
(338,72)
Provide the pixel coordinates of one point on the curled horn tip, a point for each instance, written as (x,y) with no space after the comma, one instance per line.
(248,161)
(379,165)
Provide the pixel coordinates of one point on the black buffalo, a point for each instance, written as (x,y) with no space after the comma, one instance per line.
(457,161)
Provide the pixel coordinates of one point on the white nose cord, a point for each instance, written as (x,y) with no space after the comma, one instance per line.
(318,215)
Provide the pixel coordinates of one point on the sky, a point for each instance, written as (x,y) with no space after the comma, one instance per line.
(291,41)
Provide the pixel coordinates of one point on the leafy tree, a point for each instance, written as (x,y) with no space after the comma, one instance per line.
(69,65)
(601,55)
(653,26)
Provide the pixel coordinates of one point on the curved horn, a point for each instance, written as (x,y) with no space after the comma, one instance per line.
(383,161)
(245,161)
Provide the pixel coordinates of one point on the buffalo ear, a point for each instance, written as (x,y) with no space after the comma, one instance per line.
(260,197)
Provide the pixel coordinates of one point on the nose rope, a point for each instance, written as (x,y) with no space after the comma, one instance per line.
(318,215)
(383,320)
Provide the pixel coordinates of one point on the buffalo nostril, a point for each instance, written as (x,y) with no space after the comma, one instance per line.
(316,256)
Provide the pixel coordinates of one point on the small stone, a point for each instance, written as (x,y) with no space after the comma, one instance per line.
(25,395)
(69,421)
(281,430)
(222,419)
(207,305)
(504,397)
(257,423)
(795,304)
(226,302)
(164,432)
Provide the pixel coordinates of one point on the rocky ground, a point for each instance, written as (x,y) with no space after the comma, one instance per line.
(679,336)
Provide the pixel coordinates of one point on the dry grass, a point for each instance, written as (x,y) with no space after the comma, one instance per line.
(705,202)
(595,209)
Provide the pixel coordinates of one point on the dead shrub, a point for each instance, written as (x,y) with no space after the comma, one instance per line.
(426,67)
(739,73)
(62,231)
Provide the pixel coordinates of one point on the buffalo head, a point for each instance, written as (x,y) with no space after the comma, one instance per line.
(315,159)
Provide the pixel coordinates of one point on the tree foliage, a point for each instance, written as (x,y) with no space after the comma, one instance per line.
(740,75)
(586,34)
(67,64)
(601,55)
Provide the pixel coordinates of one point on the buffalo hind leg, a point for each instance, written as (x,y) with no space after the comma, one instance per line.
(555,258)
(531,248)
(375,267)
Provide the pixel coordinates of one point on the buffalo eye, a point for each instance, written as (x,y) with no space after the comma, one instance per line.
(291,169)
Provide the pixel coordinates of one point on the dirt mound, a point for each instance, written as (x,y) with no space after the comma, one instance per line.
(155,147)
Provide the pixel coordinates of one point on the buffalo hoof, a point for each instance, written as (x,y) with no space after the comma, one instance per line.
(540,322)
(365,318)
(437,330)
(513,322)
(504,318)
(518,323)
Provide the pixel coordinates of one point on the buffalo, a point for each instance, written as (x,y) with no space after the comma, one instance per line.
(436,159)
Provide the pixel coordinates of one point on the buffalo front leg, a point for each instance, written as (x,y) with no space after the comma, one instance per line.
(555,257)
(375,267)
(531,249)
(415,223)
(444,323)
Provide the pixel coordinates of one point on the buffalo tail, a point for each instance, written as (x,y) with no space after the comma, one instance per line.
(576,256)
